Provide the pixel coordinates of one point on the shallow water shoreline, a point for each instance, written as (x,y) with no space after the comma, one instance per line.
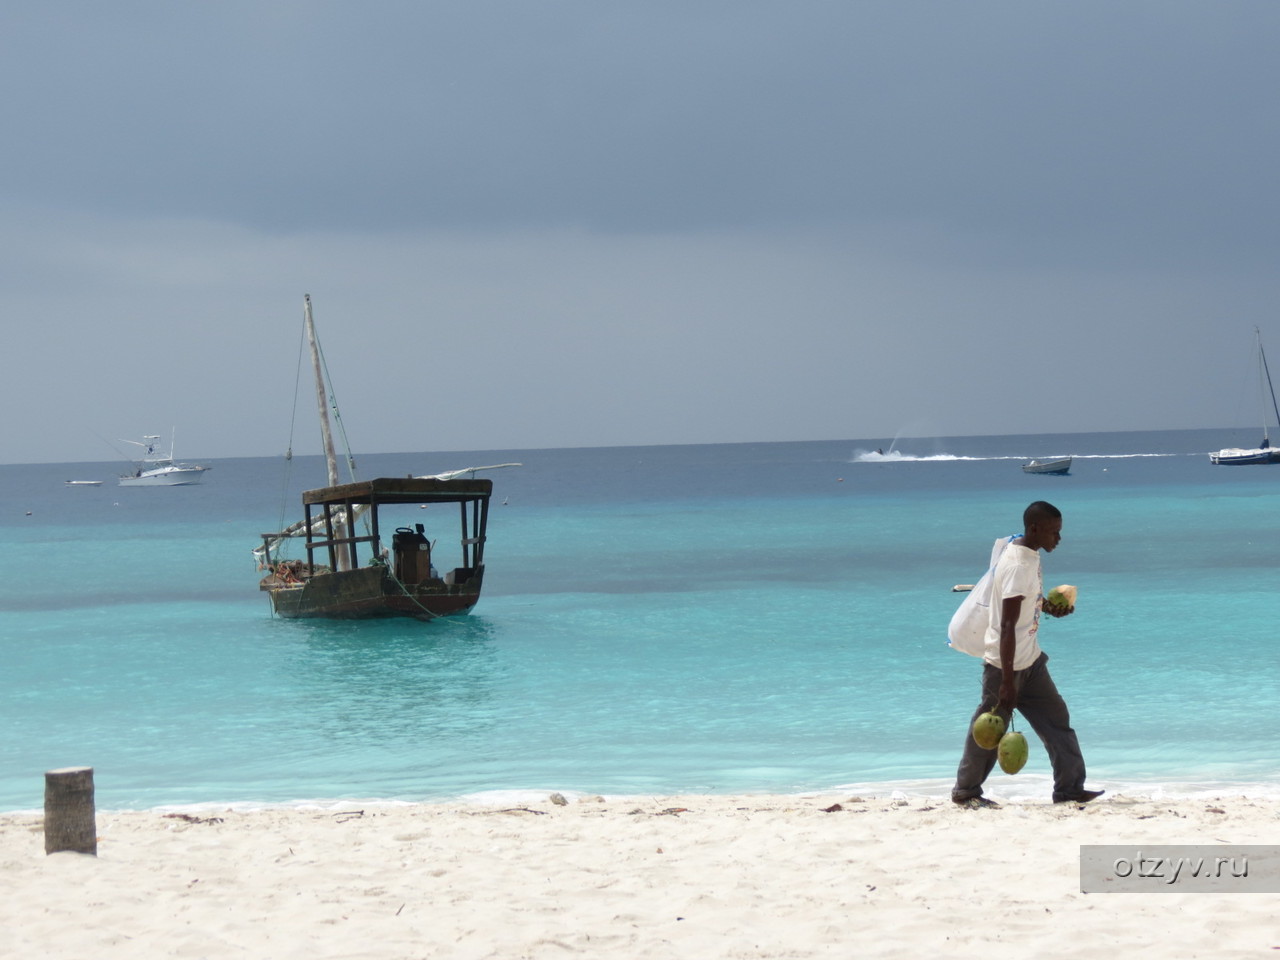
(1026,790)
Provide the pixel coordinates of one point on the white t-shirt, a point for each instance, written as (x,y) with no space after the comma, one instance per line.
(1017,574)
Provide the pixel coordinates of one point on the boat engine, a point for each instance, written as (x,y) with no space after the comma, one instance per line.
(412,554)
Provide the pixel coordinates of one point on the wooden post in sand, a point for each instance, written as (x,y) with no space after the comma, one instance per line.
(68,811)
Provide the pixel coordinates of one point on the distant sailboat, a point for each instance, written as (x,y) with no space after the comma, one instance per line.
(1264,452)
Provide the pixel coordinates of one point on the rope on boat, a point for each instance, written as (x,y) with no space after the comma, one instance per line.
(287,475)
(337,414)
(293,422)
(431,616)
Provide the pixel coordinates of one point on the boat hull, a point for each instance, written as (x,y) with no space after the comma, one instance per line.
(1234,456)
(165,477)
(370,593)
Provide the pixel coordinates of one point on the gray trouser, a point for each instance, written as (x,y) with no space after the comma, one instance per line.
(1046,711)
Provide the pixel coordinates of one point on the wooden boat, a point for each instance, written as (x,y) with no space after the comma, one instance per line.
(348,575)
(1264,452)
(352,569)
(1058,467)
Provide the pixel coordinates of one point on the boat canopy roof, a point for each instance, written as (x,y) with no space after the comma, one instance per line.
(382,490)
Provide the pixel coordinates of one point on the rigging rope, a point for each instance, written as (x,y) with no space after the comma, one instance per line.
(332,396)
(293,422)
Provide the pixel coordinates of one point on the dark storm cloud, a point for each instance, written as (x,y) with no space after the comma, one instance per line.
(653,222)
(1031,123)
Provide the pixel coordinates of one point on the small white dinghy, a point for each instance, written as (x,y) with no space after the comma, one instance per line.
(1059,467)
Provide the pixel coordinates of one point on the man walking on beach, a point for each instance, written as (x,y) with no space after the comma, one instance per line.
(1015,674)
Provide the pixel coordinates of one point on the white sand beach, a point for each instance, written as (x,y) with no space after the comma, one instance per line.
(654,877)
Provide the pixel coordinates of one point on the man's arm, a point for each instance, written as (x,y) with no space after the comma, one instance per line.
(1010,610)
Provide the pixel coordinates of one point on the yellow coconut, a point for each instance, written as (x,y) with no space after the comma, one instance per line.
(988,729)
(1012,752)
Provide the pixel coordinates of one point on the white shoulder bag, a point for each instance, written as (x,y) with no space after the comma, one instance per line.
(968,629)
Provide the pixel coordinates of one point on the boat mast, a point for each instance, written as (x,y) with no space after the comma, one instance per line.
(1262,356)
(341,523)
(322,399)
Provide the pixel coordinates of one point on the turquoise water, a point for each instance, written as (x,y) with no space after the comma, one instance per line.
(724,618)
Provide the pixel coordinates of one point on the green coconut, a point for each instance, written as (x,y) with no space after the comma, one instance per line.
(1012,752)
(1063,595)
(988,729)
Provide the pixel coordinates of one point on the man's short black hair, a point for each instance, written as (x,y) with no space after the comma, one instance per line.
(1040,510)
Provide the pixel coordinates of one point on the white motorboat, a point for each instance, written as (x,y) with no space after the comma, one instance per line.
(1058,467)
(159,469)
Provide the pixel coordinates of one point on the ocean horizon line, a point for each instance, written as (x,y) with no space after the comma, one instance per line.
(879,441)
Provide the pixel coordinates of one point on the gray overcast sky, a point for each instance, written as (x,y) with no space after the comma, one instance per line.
(543,223)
